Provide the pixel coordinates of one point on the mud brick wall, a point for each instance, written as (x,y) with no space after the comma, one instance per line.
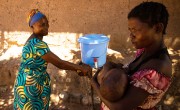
(70,19)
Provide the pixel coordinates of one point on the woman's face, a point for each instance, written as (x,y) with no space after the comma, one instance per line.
(141,34)
(41,27)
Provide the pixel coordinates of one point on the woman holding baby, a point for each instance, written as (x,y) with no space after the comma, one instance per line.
(142,84)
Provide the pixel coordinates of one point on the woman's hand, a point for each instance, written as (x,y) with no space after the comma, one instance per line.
(85,70)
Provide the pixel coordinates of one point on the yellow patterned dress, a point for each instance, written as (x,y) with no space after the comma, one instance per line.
(32,85)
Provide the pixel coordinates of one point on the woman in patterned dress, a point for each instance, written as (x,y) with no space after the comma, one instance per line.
(150,74)
(32,85)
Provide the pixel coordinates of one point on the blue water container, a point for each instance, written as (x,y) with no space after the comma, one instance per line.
(94,48)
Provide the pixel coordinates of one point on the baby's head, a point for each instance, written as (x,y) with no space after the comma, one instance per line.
(114,84)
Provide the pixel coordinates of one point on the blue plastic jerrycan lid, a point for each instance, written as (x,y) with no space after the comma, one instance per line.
(93,39)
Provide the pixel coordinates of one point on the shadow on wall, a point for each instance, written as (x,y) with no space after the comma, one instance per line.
(8,71)
(107,17)
(68,21)
(70,91)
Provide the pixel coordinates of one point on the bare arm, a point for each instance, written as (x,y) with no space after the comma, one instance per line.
(61,64)
(132,99)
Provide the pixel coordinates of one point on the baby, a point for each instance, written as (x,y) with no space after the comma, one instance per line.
(113,81)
